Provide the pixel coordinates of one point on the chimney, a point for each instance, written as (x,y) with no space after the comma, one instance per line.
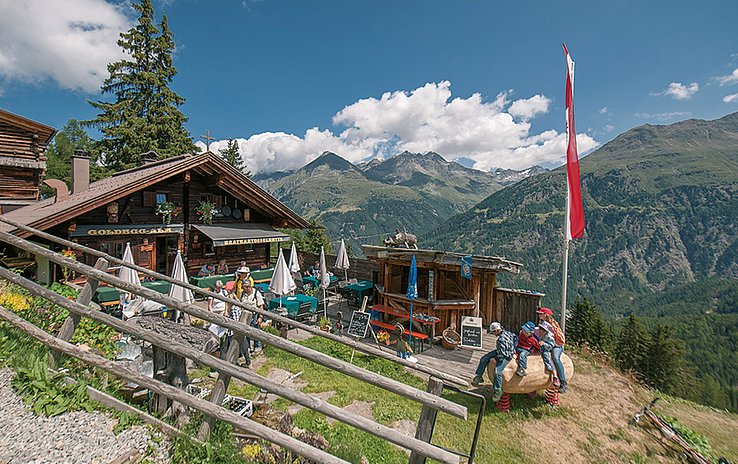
(80,171)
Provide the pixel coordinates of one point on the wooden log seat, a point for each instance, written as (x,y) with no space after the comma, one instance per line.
(535,379)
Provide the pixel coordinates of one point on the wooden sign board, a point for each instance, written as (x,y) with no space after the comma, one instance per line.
(358,325)
(471,332)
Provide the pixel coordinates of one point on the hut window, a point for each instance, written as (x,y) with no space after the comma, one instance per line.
(208,249)
(161,197)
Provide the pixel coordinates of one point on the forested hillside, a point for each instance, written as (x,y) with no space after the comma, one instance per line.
(661,204)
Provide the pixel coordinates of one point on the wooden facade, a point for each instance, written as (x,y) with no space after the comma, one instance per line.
(22,161)
(122,209)
(444,293)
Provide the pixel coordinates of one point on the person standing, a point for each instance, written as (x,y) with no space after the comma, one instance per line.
(217,306)
(502,354)
(252,297)
(545,314)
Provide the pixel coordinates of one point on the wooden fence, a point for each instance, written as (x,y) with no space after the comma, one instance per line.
(226,369)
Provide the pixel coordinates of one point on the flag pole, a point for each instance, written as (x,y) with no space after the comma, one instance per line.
(565,266)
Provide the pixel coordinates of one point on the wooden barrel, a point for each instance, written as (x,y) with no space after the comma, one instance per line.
(535,378)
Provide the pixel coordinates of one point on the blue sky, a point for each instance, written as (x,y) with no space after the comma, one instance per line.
(290,79)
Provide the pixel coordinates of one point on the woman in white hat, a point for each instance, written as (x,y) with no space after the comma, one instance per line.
(243,273)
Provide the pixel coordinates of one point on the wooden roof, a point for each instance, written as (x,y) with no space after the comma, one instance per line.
(440,259)
(48,213)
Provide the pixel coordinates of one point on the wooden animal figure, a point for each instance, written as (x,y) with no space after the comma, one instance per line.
(402,238)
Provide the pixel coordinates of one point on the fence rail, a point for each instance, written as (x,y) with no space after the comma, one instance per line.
(225,368)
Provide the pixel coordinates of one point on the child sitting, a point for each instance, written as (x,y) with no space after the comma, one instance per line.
(403,349)
(527,344)
(547,343)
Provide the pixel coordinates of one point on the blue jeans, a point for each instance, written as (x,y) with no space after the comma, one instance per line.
(499,367)
(522,357)
(557,350)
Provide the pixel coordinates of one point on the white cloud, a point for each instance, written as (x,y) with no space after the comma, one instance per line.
(730,79)
(730,98)
(421,120)
(69,42)
(663,117)
(528,108)
(604,110)
(679,91)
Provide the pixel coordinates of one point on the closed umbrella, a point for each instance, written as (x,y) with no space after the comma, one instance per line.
(325,280)
(129,275)
(342,261)
(412,291)
(282,282)
(294,263)
(176,291)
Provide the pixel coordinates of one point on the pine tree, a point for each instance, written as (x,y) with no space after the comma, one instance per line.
(59,152)
(144,115)
(631,346)
(232,156)
(312,238)
(664,362)
(587,326)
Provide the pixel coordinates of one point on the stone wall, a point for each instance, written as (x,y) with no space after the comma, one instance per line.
(361,269)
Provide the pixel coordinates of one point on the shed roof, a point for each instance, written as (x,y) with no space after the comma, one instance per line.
(441,258)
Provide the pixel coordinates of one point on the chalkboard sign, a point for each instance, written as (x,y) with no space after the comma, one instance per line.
(471,332)
(358,325)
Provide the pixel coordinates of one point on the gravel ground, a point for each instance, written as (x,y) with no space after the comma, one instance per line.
(76,437)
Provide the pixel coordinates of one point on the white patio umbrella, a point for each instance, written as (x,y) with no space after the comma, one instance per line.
(176,291)
(342,261)
(282,282)
(325,280)
(129,275)
(294,263)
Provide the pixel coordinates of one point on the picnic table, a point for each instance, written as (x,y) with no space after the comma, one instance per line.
(426,324)
(315,282)
(292,304)
(359,290)
(112,295)
(263,288)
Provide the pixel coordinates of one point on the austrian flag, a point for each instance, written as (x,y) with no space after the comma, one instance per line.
(574,208)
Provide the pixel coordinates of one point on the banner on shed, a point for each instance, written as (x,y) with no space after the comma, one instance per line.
(466,267)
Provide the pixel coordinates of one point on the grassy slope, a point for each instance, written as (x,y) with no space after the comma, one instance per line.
(591,425)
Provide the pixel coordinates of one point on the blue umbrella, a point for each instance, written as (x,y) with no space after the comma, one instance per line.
(412,291)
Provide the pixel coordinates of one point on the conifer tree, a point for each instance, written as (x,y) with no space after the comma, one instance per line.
(588,326)
(632,344)
(59,152)
(231,155)
(144,114)
(665,361)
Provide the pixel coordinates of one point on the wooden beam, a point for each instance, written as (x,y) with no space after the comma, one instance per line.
(246,375)
(427,421)
(358,346)
(176,394)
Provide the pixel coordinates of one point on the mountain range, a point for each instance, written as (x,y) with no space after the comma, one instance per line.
(365,203)
(661,239)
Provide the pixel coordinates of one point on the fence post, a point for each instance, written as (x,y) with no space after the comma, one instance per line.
(70,323)
(427,420)
(221,385)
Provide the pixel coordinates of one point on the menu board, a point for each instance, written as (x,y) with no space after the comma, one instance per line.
(358,325)
(471,332)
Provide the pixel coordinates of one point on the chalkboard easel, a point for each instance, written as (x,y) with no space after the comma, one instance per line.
(471,332)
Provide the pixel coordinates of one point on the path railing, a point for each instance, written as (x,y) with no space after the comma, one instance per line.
(79,309)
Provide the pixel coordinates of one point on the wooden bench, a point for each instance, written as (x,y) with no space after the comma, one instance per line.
(416,335)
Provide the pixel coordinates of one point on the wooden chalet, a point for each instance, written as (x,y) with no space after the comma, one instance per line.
(22,161)
(444,293)
(121,209)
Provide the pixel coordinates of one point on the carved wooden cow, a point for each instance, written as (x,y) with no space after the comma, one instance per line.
(402,238)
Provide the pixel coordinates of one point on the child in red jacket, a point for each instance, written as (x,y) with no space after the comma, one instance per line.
(527,344)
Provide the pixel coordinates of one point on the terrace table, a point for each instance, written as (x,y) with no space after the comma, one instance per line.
(209,282)
(315,282)
(359,290)
(292,303)
(111,294)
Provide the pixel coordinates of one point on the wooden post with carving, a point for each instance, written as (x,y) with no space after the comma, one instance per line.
(70,323)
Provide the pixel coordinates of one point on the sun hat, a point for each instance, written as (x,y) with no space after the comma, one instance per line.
(495,326)
(218,284)
(545,325)
(545,311)
(529,326)
(244,270)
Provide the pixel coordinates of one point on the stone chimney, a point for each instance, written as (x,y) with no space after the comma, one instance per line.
(80,171)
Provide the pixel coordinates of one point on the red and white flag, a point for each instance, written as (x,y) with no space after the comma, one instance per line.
(574,210)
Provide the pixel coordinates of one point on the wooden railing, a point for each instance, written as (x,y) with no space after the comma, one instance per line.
(226,369)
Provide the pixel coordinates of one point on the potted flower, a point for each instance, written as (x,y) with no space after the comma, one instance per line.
(325,324)
(383,337)
(205,212)
(167,210)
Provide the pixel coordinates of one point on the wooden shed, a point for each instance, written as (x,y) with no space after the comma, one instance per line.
(443,291)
